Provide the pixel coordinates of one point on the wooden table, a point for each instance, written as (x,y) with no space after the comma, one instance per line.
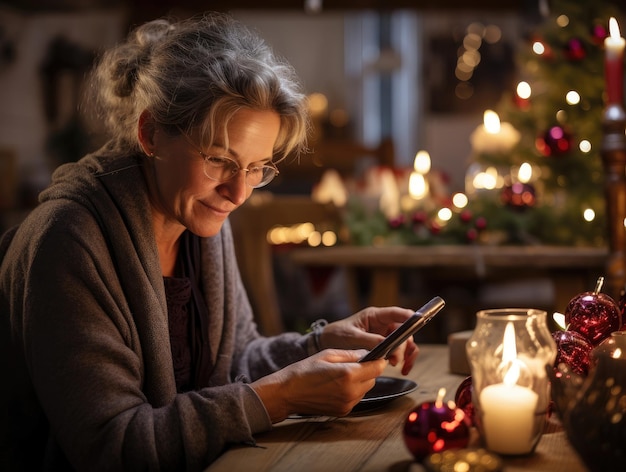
(572,269)
(372,441)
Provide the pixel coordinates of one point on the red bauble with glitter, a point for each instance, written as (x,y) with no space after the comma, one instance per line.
(554,142)
(595,315)
(518,196)
(463,399)
(435,427)
(573,350)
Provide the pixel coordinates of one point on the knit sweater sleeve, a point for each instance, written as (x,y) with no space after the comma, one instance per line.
(101,364)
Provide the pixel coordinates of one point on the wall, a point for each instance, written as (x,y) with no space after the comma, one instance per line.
(23,126)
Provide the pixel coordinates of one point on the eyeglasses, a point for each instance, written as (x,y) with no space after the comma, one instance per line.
(223,169)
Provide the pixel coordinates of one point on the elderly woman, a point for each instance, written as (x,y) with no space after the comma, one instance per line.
(133,344)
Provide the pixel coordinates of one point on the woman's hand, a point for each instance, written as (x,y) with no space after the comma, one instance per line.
(368,327)
(328,383)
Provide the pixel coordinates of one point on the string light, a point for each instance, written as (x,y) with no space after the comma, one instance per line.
(524,90)
(584,146)
(539,48)
(459,200)
(572,97)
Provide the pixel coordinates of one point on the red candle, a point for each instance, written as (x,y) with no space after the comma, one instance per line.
(614,64)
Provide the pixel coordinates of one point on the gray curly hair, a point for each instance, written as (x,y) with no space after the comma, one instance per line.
(197,73)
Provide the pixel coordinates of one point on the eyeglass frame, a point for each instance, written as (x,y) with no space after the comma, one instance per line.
(233,164)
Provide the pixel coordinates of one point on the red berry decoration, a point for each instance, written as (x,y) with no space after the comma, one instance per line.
(435,427)
(573,350)
(463,399)
(466,216)
(595,315)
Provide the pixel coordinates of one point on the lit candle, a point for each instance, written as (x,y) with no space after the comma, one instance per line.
(614,64)
(389,202)
(508,409)
(493,136)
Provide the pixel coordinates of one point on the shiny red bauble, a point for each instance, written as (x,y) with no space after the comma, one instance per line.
(595,315)
(573,350)
(435,427)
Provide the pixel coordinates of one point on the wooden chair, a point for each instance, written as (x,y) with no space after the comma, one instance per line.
(251,223)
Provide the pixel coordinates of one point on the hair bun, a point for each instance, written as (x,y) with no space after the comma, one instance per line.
(137,54)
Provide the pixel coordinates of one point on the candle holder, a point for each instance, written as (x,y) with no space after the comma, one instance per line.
(614,161)
(508,353)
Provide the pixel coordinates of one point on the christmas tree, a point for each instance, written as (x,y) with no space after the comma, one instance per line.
(545,185)
(535,175)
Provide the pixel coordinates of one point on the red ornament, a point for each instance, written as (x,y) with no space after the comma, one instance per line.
(598,34)
(575,50)
(480,223)
(595,315)
(435,427)
(555,142)
(518,196)
(463,399)
(573,350)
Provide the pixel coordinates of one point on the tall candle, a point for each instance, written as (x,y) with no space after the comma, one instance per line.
(614,64)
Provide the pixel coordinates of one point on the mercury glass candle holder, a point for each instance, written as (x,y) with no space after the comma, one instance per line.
(508,353)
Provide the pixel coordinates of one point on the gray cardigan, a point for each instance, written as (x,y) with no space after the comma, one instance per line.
(82,295)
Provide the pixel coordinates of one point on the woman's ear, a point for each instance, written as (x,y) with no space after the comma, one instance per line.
(145,132)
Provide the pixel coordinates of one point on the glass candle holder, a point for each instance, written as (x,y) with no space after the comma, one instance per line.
(508,353)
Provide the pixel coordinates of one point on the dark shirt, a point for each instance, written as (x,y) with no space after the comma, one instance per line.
(188,319)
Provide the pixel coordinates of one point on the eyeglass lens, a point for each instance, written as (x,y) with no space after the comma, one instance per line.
(223,169)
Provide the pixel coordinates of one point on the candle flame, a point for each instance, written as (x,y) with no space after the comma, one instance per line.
(509,356)
(418,186)
(491,121)
(440,394)
(525,172)
(511,376)
(613,28)
(421,163)
(509,350)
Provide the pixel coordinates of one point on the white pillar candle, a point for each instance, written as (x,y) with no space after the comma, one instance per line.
(508,418)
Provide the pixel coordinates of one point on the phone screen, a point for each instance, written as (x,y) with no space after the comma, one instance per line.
(411,326)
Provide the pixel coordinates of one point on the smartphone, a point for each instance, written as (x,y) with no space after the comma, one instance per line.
(406,329)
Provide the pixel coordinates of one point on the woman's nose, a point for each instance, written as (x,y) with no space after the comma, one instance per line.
(236,189)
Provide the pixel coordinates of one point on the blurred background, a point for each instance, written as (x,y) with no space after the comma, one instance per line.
(385,80)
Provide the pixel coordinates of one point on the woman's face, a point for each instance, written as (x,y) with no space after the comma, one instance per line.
(184,195)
